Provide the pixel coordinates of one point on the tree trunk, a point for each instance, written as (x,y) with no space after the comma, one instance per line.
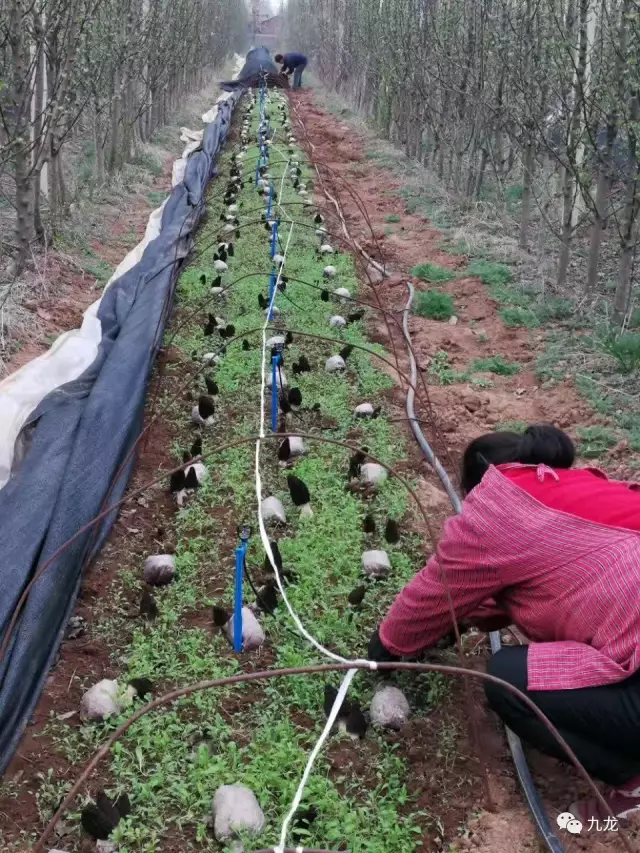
(569,185)
(20,136)
(605,173)
(39,105)
(116,106)
(98,136)
(527,185)
(481,171)
(629,221)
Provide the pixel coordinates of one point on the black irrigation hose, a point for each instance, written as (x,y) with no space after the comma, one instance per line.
(537,809)
(534,802)
(169,698)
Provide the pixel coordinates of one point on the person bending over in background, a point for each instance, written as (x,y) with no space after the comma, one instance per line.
(556,552)
(293,63)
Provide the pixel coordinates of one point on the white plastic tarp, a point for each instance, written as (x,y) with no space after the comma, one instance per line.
(74,351)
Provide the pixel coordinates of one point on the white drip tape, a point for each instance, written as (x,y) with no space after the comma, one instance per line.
(342,692)
(346,683)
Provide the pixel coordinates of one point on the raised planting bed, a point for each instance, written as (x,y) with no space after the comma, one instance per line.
(360,795)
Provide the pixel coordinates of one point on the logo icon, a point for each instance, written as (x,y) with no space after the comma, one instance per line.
(567,821)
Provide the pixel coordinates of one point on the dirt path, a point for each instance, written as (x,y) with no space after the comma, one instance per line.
(462,413)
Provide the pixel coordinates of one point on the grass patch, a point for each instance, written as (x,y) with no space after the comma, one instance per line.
(101,270)
(434,305)
(556,309)
(511,426)
(156,198)
(595,440)
(441,371)
(625,349)
(432,273)
(513,316)
(489,272)
(495,364)
(393,217)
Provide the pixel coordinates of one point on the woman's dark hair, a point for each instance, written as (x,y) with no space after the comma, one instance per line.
(540,444)
(279,57)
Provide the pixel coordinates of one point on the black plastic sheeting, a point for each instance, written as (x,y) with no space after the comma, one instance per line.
(81,434)
(258,64)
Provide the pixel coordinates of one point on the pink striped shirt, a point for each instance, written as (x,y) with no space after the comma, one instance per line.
(570,584)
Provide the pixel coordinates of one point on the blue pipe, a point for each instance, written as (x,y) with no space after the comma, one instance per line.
(270,202)
(272,288)
(274,238)
(274,392)
(237,610)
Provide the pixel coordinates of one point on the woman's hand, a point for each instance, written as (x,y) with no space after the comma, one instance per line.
(377,650)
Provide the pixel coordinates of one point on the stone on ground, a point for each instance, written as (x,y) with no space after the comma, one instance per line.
(364,410)
(373,473)
(273,510)
(100,701)
(335,364)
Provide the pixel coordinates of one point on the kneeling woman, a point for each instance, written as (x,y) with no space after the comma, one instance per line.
(556,552)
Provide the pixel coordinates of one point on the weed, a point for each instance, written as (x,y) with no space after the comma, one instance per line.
(100,270)
(393,217)
(156,198)
(490,272)
(513,316)
(514,193)
(481,381)
(625,349)
(511,426)
(441,371)
(495,364)
(556,309)
(634,320)
(149,162)
(595,440)
(436,306)
(634,439)
(432,273)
